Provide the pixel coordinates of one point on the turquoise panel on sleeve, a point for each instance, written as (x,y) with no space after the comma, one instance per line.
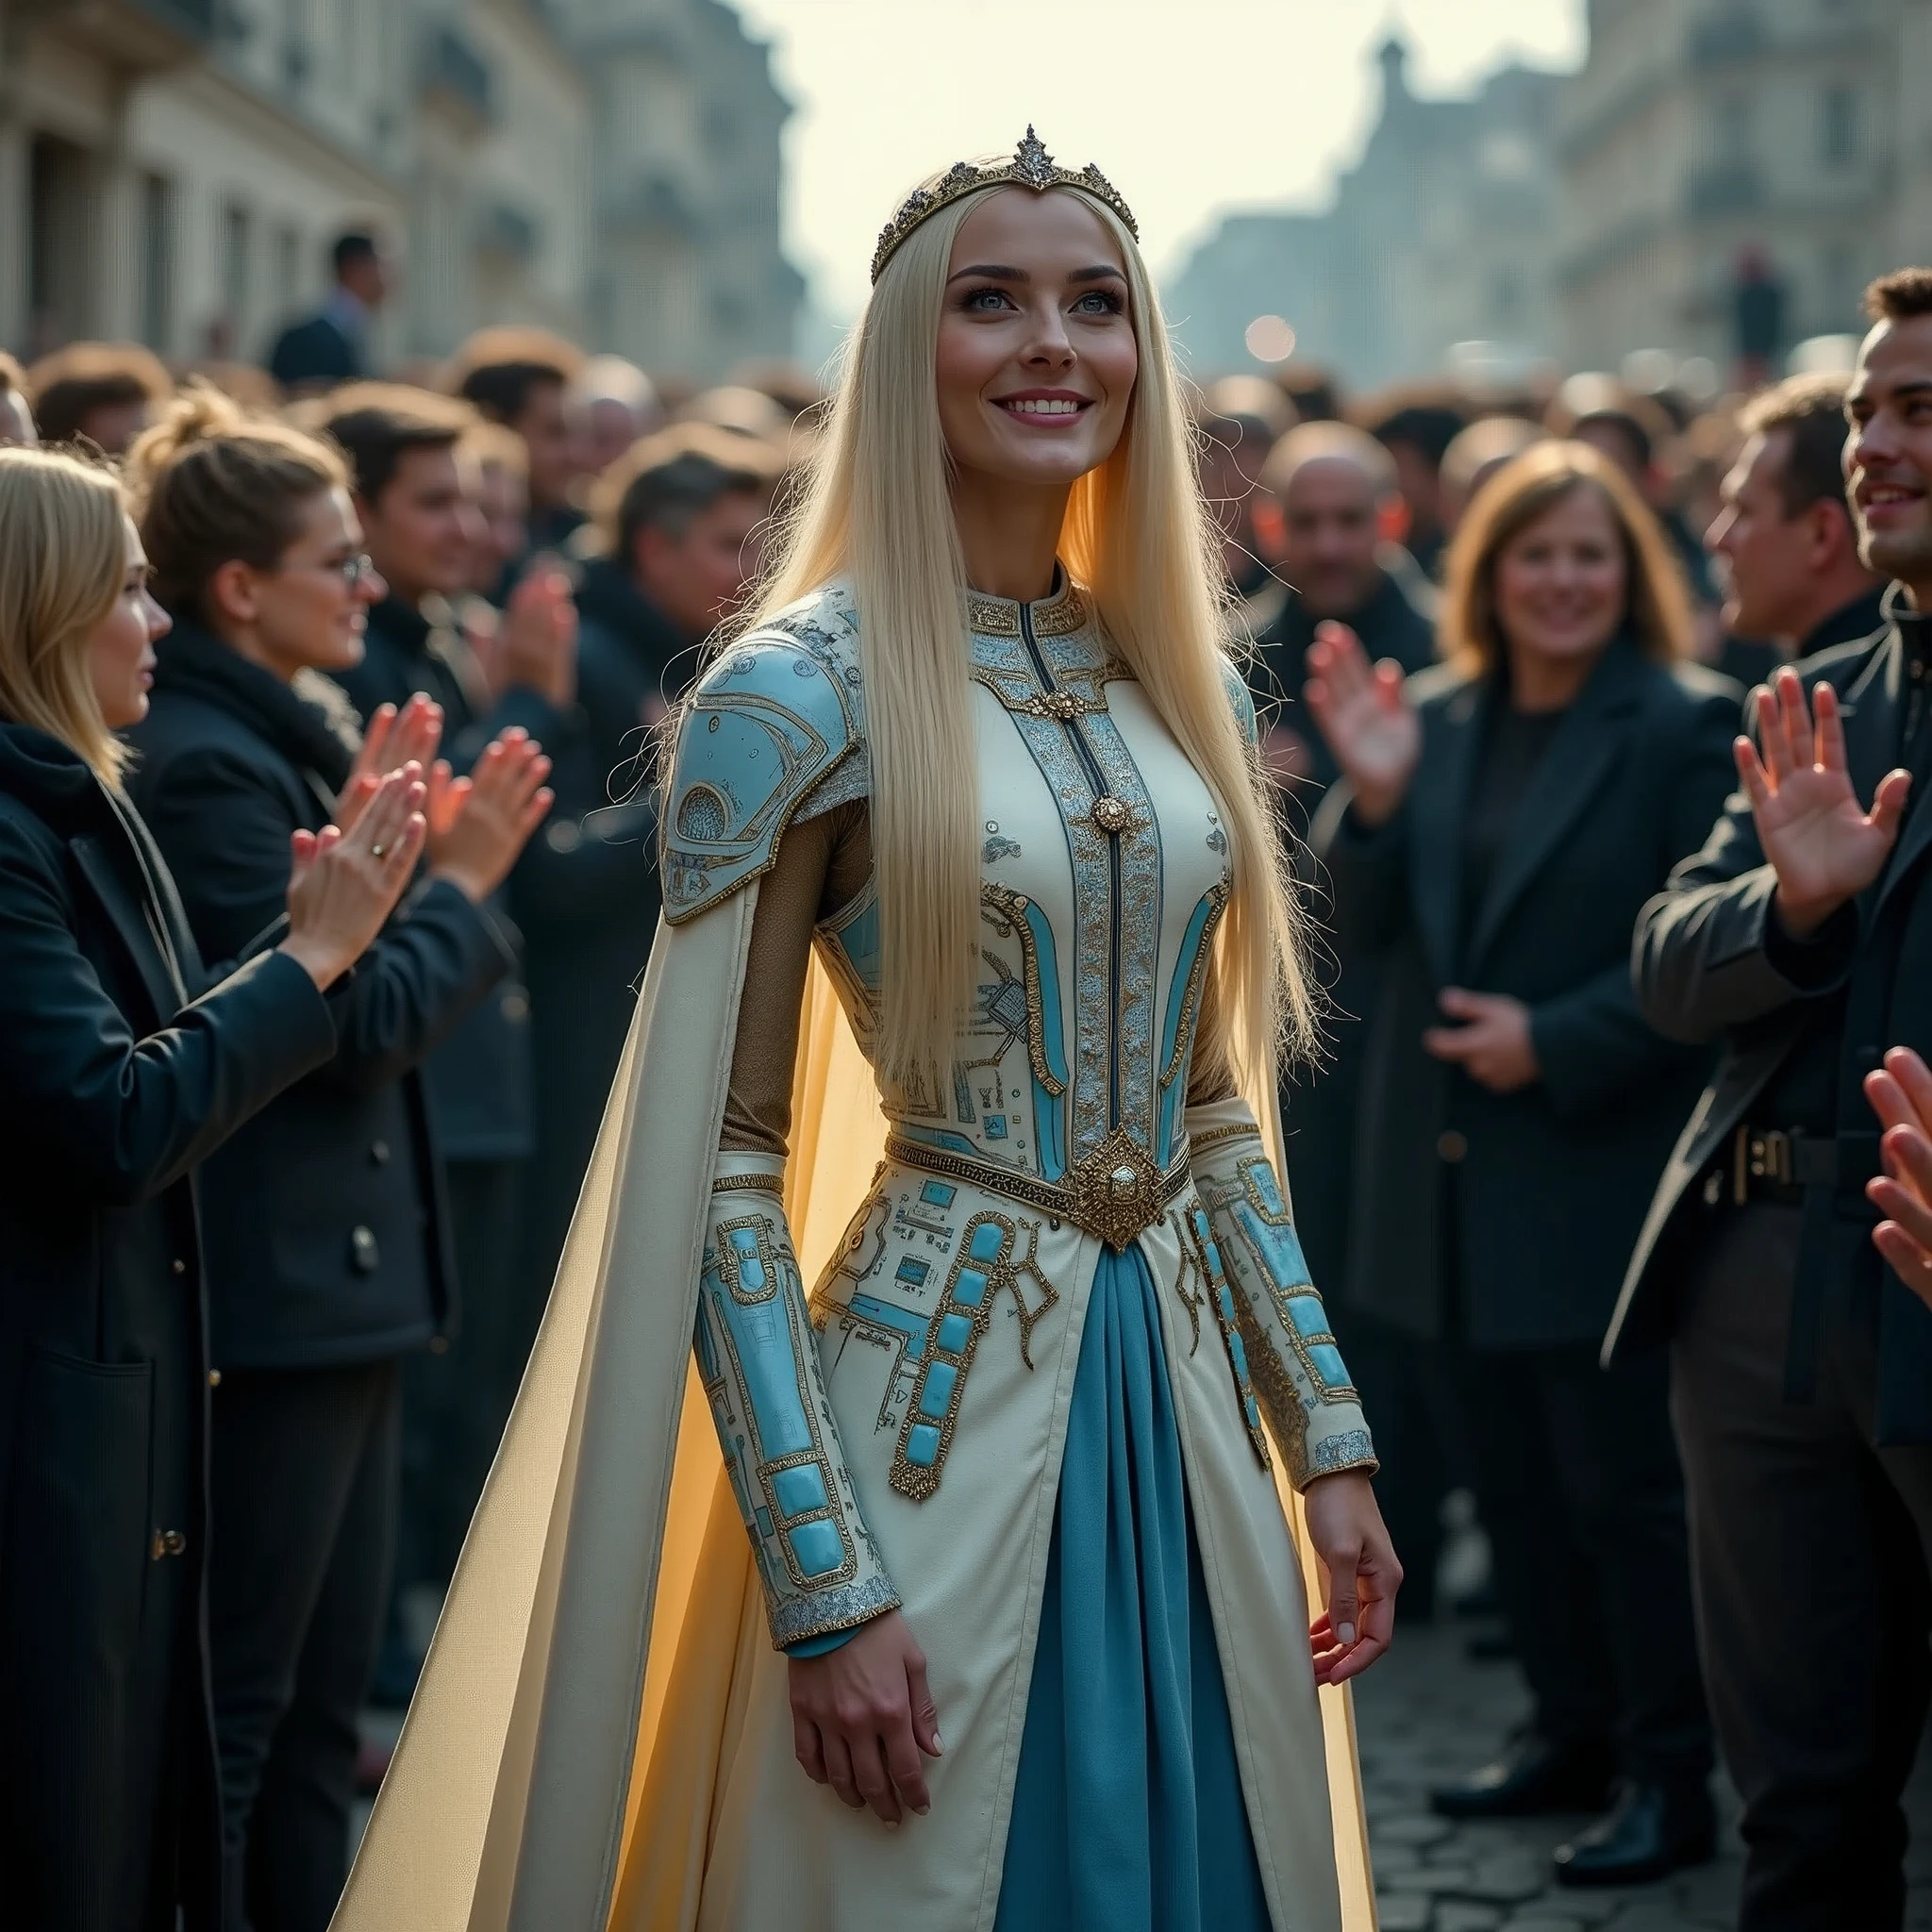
(817,1547)
(800,1491)
(1328,1365)
(768,721)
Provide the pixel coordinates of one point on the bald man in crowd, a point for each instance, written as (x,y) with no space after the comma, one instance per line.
(1318,517)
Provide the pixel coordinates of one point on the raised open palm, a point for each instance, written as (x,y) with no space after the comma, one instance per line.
(1825,848)
(1365,715)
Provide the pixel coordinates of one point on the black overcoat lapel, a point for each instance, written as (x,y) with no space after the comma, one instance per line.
(1439,805)
(1588,745)
(136,921)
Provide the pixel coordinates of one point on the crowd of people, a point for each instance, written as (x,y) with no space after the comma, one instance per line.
(327,845)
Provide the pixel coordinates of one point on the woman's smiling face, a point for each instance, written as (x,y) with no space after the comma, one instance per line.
(1037,357)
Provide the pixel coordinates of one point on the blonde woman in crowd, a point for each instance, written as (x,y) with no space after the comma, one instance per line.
(123,1063)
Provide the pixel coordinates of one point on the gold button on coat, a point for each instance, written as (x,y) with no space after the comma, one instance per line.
(1451,1146)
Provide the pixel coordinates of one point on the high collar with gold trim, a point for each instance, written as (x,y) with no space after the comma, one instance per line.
(1060,613)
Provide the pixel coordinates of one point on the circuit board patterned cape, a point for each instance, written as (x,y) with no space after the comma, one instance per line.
(601,1735)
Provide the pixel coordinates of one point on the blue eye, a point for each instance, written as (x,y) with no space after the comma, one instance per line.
(1098,301)
(984,299)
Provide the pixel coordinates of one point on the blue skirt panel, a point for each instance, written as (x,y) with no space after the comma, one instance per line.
(1127,1808)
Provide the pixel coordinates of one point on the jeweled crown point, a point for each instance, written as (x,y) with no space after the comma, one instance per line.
(1031,161)
(1031,167)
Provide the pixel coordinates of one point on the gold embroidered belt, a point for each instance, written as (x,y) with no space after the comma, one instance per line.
(1116,1193)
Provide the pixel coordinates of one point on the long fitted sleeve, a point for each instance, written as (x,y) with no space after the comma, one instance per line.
(1251,1262)
(757,1355)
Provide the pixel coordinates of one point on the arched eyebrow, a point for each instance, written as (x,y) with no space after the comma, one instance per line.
(998,272)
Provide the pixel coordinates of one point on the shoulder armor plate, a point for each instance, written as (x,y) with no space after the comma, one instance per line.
(1242,699)
(774,714)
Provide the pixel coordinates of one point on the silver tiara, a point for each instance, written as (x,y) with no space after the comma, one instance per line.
(1031,167)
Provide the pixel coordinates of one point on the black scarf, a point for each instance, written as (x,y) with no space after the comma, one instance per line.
(308,721)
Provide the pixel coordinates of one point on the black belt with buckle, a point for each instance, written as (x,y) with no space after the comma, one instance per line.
(1777,1164)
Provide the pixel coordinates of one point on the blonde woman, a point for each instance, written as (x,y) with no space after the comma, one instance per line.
(1025,1640)
(122,1065)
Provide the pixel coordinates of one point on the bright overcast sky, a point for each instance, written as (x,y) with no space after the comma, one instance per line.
(1190,106)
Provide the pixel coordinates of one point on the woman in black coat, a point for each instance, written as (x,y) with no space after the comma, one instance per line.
(123,1064)
(1505,817)
(326,1227)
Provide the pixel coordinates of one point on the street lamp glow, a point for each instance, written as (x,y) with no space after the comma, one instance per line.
(1270,339)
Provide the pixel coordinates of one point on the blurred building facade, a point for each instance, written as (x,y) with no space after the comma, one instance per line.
(690,274)
(1719,180)
(1440,234)
(1708,144)
(173,171)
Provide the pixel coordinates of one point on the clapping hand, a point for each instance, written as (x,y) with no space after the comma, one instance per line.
(537,641)
(1901,1095)
(1366,716)
(343,884)
(487,818)
(392,741)
(1824,850)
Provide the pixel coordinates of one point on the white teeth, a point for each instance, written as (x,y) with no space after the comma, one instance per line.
(1026,407)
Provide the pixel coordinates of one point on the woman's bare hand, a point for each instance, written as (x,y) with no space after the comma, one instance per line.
(863,1714)
(505,800)
(1360,1576)
(1365,715)
(343,884)
(390,741)
(1824,849)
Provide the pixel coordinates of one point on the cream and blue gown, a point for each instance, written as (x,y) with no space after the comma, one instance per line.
(1025,1402)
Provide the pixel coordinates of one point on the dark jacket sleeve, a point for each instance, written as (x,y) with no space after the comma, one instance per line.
(1706,955)
(1368,867)
(1593,1043)
(224,827)
(124,1118)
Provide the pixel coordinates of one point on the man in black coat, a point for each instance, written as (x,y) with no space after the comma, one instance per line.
(332,345)
(1800,939)
(415,496)
(680,520)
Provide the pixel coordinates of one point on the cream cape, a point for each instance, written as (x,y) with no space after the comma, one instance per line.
(555,1775)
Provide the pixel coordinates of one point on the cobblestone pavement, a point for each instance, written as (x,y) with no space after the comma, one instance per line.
(1426,1713)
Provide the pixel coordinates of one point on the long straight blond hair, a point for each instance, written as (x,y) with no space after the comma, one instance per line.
(877,510)
(63,558)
